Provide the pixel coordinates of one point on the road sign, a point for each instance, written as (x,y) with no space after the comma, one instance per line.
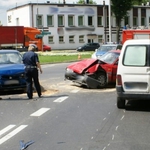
(39,36)
(45,32)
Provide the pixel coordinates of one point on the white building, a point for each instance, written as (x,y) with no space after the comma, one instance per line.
(72,25)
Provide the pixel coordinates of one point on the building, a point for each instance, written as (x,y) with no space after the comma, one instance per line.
(72,25)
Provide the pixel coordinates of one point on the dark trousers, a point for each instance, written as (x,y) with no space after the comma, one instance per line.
(32,76)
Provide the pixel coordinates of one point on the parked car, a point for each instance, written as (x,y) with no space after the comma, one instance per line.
(105,48)
(133,75)
(88,47)
(94,73)
(12,77)
(46,48)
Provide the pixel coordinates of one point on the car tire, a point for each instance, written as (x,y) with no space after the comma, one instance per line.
(101,77)
(120,103)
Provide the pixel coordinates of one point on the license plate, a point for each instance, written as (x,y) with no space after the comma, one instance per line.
(9,82)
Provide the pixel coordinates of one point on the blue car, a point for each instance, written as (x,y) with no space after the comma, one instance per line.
(105,48)
(12,73)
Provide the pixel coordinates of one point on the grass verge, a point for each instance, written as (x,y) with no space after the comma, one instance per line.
(44,59)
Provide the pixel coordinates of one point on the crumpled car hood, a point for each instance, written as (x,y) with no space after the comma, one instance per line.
(83,65)
(10,69)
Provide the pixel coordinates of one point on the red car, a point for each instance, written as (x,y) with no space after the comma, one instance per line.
(94,73)
(46,48)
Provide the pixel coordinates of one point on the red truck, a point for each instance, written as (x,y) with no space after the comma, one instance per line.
(19,37)
(135,34)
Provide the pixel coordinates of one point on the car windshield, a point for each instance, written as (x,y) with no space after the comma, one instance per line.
(106,48)
(10,58)
(110,57)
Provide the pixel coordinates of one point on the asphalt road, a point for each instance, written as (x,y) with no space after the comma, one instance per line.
(72,118)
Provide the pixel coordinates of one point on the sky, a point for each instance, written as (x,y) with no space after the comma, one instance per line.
(8,4)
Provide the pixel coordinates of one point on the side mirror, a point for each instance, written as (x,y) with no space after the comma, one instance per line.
(116,63)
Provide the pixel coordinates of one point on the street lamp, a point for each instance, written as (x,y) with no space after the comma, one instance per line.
(109,20)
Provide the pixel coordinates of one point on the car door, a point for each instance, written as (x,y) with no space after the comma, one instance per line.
(134,69)
(91,46)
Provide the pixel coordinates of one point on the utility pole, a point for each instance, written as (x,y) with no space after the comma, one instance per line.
(37,17)
(104,20)
(110,21)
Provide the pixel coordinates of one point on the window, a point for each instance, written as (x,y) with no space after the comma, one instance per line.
(126,20)
(80,20)
(107,40)
(39,20)
(49,20)
(81,39)
(143,21)
(17,21)
(61,20)
(50,39)
(107,22)
(99,20)
(9,19)
(61,39)
(135,51)
(134,21)
(100,39)
(70,20)
(90,20)
(71,39)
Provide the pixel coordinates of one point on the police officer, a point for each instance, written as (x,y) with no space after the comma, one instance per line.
(32,65)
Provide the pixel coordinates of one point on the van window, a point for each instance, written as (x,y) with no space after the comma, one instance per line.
(135,56)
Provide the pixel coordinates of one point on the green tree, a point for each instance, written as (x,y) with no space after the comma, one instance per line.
(135,2)
(84,1)
(120,9)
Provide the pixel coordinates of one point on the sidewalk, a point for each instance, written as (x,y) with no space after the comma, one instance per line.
(62,52)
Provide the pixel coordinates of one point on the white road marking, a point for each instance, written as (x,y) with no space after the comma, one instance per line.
(104,148)
(6,129)
(75,91)
(11,134)
(122,117)
(40,112)
(60,99)
(104,119)
(117,128)
(113,137)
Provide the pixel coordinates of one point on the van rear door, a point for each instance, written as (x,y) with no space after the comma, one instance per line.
(136,69)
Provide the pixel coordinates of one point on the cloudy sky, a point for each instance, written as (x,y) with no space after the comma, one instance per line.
(8,4)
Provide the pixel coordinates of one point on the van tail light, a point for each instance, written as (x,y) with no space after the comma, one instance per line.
(118,80)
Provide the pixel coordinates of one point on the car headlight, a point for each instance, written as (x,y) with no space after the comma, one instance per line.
(22,75)
(67,69)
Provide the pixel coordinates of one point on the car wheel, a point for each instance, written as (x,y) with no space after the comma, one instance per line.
(102,80)
(120,103)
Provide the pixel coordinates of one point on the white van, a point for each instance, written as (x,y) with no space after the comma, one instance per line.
(133,73)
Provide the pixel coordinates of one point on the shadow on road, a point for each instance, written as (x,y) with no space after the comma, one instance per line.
(138,105)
